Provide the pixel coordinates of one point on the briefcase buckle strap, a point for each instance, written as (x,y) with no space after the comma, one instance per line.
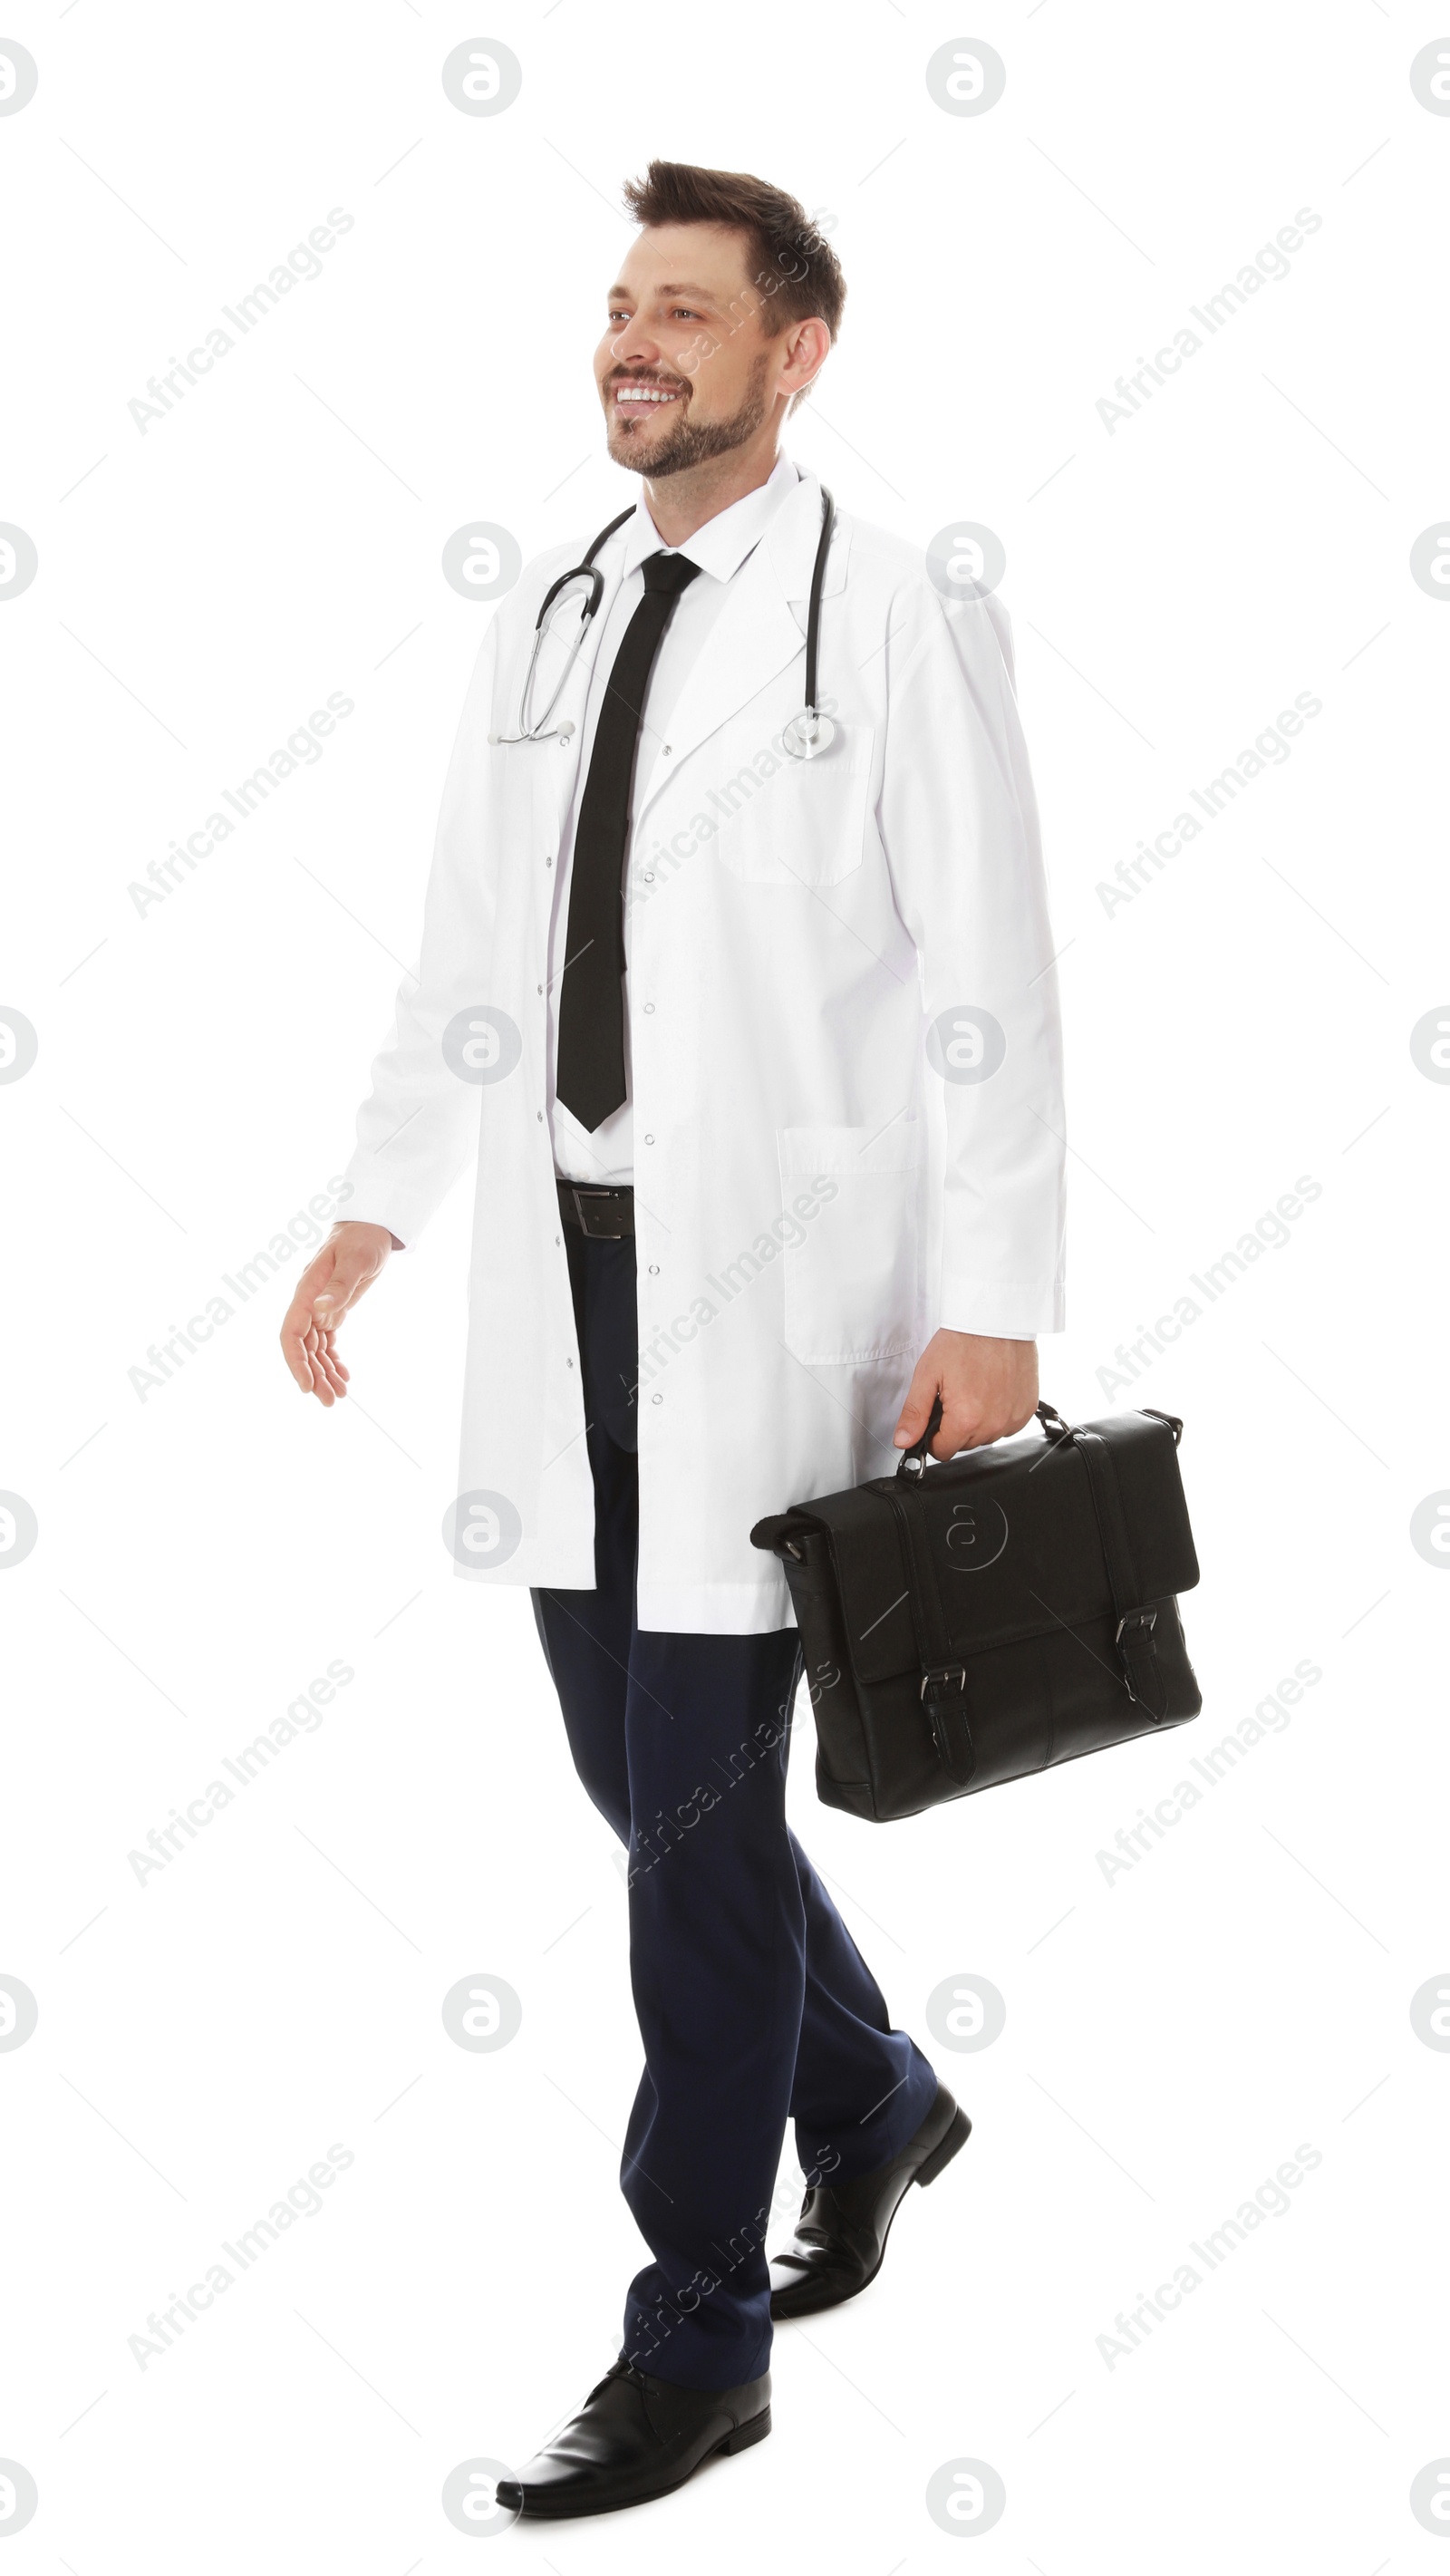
(1141,1675)
(944,1700)
(1146,1619)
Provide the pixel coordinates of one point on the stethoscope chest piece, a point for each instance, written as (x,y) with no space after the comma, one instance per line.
(808,734)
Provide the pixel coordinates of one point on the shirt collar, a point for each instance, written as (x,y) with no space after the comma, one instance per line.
(722,544)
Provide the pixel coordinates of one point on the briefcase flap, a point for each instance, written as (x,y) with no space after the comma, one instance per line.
(1013,1539)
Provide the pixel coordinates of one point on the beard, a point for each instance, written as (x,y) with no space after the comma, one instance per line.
(690,442)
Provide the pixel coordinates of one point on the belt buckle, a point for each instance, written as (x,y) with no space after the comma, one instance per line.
(579,1192)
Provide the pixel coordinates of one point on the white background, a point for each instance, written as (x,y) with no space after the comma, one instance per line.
(1173,2035)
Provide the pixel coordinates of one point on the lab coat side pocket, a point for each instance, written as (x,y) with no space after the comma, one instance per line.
(852,1284)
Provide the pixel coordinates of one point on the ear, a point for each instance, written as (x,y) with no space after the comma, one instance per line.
(808,345)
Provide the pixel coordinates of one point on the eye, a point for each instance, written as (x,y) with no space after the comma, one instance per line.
(684,313)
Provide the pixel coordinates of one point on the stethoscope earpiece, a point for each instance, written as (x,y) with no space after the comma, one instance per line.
(588,570)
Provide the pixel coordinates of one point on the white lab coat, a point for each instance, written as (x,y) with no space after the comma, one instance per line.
(814,1196)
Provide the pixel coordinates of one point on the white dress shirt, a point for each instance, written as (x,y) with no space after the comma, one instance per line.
(720,547)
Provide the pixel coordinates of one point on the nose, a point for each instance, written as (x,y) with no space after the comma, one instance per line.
(634,347)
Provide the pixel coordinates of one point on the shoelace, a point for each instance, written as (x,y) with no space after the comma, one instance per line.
(624,2370)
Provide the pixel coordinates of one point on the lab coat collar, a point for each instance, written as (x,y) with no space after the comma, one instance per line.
(759,631)
(793,537)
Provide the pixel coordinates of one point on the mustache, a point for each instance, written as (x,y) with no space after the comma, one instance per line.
(636,376)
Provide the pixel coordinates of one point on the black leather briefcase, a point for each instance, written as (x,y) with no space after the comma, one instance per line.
(971,1620)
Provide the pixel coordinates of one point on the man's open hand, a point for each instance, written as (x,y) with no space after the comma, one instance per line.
(987,1389)
(328,1289)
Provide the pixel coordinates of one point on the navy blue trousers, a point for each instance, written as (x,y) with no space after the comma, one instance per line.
(754,2004)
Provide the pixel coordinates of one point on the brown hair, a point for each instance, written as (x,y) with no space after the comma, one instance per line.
(792,265)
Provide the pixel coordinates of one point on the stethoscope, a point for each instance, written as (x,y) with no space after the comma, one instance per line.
(805,737)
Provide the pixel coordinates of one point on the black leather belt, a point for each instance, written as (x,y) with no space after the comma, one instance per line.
(605,1215)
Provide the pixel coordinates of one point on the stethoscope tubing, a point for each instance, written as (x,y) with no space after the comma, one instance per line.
(588,570)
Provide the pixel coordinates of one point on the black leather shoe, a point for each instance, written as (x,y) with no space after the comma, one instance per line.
(633,2439)
(840,2239)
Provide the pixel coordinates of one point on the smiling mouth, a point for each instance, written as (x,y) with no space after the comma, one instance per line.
(632,399)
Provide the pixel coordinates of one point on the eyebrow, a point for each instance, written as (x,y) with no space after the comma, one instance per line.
(701,294)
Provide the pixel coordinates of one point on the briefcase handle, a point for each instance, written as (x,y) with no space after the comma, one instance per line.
(913,1460)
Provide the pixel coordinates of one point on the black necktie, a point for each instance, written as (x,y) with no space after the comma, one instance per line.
(591,999)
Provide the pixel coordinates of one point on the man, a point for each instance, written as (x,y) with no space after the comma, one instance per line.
(759,1059)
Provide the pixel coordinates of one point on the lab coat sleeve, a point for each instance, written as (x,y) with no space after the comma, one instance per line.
(959,824)
(419,1122)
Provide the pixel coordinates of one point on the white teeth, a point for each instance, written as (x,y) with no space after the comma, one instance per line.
(641,393)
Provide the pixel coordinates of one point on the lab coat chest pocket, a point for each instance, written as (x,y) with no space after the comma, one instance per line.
(796,822)
(852,1283)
